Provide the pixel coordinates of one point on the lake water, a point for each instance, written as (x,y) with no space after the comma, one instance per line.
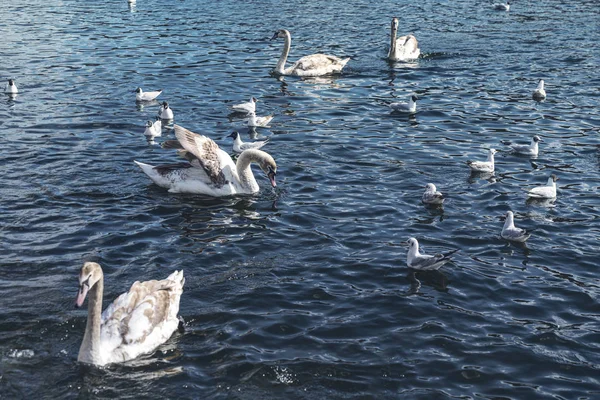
(303,291)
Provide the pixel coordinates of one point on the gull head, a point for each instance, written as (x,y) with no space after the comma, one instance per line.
(234,135)
(254,99)
(537,139)
(11,82)
(138,90)
(149,124)
(493,151)
(412,243)
(554,178)
(165,105)
(430,187)
(414,97)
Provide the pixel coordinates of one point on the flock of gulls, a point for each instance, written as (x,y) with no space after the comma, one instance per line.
(138,321)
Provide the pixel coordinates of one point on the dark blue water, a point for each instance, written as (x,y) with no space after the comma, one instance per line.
(303,291)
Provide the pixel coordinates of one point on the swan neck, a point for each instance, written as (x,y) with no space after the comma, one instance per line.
(392,51)
(247,180)
(89,351)
(280,68)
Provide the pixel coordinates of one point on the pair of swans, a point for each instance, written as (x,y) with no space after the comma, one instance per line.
(401,49)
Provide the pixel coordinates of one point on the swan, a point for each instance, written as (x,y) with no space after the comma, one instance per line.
(210,170)
(511,232)
(531,149)
(502,6)
(313,65)
(404,47)
(165,112)
(248,108)
(410,107)
(136,323)
(539,93)
(431,195)
(11,88)
(483,166)
(259,122)
(545,192)
(239,146)
(425,262)
(153,129)
(140,95)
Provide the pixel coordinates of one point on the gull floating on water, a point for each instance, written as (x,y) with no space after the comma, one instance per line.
(165,112)
(254,121)
(511,232)
(539,93)
(502,6)
(248,107)
(140,95)
(431,195)
(153,129)
(530,150)
(11,88)
(425,262)
(410,107)
(483,166)
(545,192)
(239,146)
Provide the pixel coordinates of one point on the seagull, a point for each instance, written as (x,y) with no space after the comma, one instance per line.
(239,146)
(502,6)
(410,107)
(153,129)
(248,108)
(511,232)
(140,95)
(539,93)
(165,112)
(254,121)
(530,150)
(425,262)
(483,166)
(431,195)
(11,88)
(545,192)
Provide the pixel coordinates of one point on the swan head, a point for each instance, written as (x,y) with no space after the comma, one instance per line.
(269,167)
(395,24)
(234,135)
(281,33)
(138,90)
(89,275)
(430,187)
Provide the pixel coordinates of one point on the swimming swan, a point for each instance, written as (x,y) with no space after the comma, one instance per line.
(136,323)
(210,170)
(313,65)
(404,47)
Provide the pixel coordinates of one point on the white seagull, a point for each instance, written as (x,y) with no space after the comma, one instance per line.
(425,262)
(254,121)
(511,232)
(531,149)
(502,6)
(483,166)
(11,88)
(539,93)
(165,112)
(153,129)
(431,195)
(239,146)
(410,107)
(248,107)
(140,95)
(544,192)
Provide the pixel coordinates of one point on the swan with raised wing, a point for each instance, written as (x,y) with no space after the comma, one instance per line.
(136,323)
(210,170)
(313,65)
(402,48)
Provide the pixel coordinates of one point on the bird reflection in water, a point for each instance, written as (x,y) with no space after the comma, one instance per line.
(436,279)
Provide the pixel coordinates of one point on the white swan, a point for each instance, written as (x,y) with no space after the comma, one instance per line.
(248,107)
(136,323)
(210,170)
(11,88)
(402,48)
(545,192)
(431,195)
(410,107)
(153,129)
(313,65)
(483,166)
(140,95)
(530,149)
(502,6)
(539,93)
(239,146)
(165,111)
(425,262)
(511,232)
(259,122)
